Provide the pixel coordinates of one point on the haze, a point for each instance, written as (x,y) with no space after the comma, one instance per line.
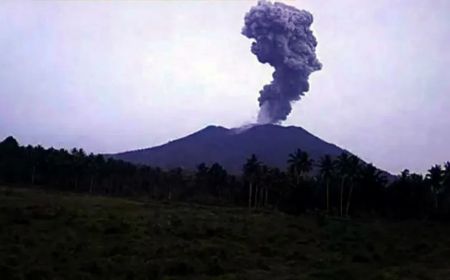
(121,75)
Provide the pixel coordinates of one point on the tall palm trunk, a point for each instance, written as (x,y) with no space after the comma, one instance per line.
(91,185)
(328,195)
(435,196)
(33,175)
(257,196)
(261,197)
(255,202)
(342,197)
(347,208)
(250,195)
(266,198)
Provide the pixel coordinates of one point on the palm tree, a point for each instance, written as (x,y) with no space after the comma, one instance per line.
(372,174)
(343,169)
(201,176)
(79,157)
(404,175)
(435,176)
(265,177)
(94,164)
(299,164)
(373,180)
(251,170)
(270,181)
(217,178)
(326,169)
(354,168)
(175,180)
(276,183)
(446,181)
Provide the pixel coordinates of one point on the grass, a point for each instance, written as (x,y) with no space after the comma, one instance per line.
(70,236)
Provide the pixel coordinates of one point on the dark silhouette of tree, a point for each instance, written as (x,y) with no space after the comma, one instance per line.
(436,177)
(9,159)
(201,177)
(275,184)
(446,182)
(251,171)
(445,192)
(175,179)
(361,188)
(343,168)
(299,164)
(217,178)
(326,170)
(354,168)
(372,185)
(409,196)
(268,180)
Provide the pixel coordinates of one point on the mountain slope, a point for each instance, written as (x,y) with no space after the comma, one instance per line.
(231,147)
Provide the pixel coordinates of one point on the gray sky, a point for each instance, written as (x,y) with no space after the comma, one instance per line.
(111,76)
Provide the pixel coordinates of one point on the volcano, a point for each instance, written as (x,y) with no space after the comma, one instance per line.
(272,144)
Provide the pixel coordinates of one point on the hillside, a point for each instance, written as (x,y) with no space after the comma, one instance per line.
(231,147)
(67,236)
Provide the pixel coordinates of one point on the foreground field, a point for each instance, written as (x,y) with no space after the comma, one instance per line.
(63,236)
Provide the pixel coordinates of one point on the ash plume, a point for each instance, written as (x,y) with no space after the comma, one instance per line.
(284,40)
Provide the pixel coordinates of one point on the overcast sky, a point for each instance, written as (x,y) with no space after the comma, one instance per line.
(111,76)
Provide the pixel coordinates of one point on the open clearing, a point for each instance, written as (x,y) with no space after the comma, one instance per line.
(46,235)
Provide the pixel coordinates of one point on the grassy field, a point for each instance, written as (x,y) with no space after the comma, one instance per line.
(68,236)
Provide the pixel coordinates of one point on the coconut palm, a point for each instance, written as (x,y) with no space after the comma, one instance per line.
(342,164)
(299,164)
(217,178)
(251,169)
(435,177)
(373,180)
(354,167)
(446,181)
(404,175)
(326,170)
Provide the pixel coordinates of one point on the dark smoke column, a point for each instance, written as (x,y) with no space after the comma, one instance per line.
(282,39)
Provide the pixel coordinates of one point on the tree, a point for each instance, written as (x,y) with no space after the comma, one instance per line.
(251,169)
(175,180)
(342,164)
(94,164)
(435,176)
(201,176)
(404,175)
(217,178)
(410,196)
(275,184)
(354,167)
(372,182)
(445,192)
(446,179)
(79,165)
(299,164)
(269,179)
(10,159)
(326,170)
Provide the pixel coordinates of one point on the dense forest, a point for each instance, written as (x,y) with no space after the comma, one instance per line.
(342,186)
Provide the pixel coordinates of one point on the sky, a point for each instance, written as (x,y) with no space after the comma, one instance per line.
(111,76)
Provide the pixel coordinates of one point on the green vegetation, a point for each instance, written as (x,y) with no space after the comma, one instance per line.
(341,186)
(49,235)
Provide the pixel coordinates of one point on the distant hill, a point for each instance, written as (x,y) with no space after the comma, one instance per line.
(231,147)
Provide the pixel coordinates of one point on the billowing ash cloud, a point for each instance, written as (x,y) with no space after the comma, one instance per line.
(284,40)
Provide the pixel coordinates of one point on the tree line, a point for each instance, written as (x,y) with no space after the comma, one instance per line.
(340,186)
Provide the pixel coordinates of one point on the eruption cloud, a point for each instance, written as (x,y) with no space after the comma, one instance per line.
(284,40)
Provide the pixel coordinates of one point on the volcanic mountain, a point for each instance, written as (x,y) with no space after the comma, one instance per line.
(272,144)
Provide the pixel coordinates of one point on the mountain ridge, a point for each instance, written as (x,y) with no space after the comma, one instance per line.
(230,147)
